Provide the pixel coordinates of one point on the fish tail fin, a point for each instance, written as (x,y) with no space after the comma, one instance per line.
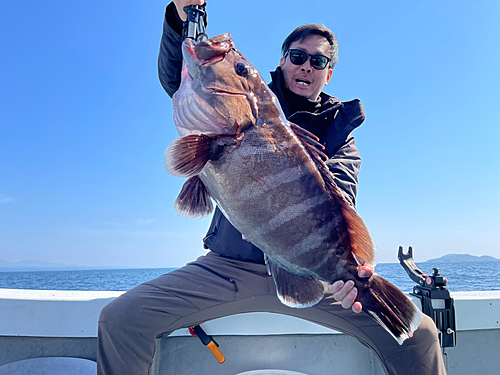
(193,200)
(390,307)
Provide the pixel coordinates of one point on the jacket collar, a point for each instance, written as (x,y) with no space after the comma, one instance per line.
(332,123)
(277,84)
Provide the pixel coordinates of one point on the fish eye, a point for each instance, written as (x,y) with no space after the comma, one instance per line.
(241,69)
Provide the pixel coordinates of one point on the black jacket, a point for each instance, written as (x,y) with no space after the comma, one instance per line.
(332,123)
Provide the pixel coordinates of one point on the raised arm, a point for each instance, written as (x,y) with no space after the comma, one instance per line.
(170,55)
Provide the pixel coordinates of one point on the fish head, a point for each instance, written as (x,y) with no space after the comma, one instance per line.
(220,89)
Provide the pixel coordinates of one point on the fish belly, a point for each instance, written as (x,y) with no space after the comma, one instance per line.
(270,190)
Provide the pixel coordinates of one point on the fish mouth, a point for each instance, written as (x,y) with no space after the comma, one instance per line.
(223,91)
(200,62)
(205,52)
(193,110)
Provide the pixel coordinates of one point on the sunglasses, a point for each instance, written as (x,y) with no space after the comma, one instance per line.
(298,57)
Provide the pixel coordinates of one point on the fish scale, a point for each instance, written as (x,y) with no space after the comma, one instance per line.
(270,180)
(224,184)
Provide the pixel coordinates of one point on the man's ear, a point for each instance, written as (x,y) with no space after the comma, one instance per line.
(282,62)
(329,76)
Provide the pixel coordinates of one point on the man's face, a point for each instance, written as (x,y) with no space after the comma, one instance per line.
(304,80)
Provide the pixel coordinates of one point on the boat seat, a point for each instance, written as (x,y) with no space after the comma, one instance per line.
(261,343)
(271,372)
(50,366)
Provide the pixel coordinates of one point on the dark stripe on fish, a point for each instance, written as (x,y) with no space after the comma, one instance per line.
(292,237)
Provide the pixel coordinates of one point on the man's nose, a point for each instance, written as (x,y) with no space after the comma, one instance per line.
(307,66)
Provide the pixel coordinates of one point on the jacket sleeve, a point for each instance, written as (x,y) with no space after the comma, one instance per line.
(170,55)
(345,164)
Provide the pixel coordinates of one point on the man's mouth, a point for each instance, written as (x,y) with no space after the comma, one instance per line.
(302,82)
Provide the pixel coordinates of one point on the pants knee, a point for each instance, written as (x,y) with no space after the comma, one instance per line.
(107,312)
(120,312)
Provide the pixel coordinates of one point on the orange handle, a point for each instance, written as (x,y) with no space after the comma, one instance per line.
(216,352)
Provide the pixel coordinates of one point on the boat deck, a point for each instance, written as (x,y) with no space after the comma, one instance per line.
(36,323)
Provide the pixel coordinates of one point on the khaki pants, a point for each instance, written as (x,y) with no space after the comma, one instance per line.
(213,287)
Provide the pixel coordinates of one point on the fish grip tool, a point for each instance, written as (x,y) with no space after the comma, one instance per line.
(435,297)
(208,341)
(194,27)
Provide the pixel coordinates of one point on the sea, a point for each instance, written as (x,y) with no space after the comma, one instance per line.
(462,276)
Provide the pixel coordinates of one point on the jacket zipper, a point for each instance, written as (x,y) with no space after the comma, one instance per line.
(213,229)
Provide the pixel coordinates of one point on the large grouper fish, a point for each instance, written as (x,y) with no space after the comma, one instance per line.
(269,178)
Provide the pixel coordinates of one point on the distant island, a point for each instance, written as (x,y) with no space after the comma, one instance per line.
(464,258)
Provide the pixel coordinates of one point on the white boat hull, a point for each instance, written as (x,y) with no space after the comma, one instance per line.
(37,324)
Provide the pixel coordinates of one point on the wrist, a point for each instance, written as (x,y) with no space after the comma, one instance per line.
(173,19)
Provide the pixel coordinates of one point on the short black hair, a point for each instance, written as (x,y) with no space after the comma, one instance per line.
(305,31)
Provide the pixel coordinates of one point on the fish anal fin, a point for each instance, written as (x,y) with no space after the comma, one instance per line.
(294,290)
(187,156)
(194,200)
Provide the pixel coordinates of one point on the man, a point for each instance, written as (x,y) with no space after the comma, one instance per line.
(232,278)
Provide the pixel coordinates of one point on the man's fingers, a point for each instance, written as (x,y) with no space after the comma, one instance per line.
(344,291)
(346,294)
(350,298)
(180,4)
(357,307)
(335,287)
(366,271)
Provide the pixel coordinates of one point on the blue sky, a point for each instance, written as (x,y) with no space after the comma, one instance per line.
(84,124)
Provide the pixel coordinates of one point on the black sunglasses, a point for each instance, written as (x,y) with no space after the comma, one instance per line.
(299,57)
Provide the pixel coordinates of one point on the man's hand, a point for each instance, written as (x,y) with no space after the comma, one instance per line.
(346,293)
(180,4)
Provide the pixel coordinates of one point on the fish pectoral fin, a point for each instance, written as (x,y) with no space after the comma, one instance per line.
(294,290)
(187,156)
(194,200)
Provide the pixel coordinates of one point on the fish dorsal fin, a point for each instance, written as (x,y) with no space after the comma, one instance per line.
(186,156)
(294,290)
(361,241)
(194,200)
(362,244)
(310,142)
